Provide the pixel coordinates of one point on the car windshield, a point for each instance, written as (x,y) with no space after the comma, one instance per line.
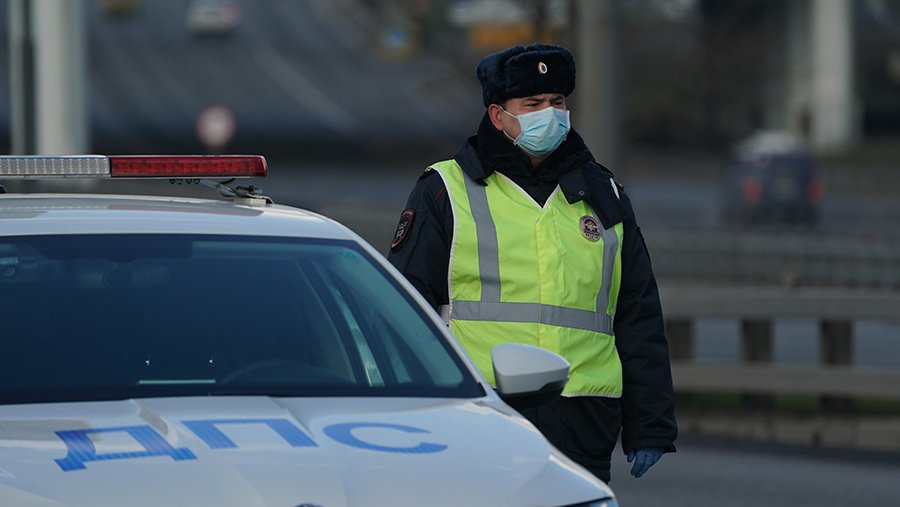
(104,317)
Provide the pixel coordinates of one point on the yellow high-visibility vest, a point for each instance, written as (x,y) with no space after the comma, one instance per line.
(545,276)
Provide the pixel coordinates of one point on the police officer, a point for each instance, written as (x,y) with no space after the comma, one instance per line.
(522,236)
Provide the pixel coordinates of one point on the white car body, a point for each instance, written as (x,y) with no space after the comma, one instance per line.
(265,450)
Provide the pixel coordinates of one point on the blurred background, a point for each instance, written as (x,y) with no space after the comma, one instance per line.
(716,114)
(758,139)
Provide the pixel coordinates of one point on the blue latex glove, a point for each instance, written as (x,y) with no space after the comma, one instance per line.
(643,460)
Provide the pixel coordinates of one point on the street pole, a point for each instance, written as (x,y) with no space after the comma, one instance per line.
(834,126)
(597,115)
(61,85)
(22,78)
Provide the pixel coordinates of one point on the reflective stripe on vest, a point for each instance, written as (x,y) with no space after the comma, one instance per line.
(472,314)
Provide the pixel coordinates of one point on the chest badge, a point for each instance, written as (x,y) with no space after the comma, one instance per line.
(590,228)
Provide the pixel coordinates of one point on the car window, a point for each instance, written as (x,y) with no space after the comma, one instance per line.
(94,317)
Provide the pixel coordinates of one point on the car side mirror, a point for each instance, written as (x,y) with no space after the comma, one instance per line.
(528,376)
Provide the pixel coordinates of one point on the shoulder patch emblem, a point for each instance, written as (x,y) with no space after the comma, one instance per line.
(403,227)
(590,228)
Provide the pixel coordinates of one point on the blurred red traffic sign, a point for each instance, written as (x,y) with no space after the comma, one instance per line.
(215,127)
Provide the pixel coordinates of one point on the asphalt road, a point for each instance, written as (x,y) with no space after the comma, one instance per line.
(299,77)
(716,473)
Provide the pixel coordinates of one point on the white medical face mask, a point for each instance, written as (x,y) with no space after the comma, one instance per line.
(541,132)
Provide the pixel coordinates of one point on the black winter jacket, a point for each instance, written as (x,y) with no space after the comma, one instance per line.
(421,251)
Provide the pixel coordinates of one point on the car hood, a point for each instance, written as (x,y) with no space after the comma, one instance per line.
(261,451)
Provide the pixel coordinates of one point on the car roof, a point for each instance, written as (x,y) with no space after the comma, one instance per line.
(33,214)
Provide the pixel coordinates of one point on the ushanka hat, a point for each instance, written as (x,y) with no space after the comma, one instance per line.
(522,71)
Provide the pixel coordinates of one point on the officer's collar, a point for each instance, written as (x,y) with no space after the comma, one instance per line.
(488,150)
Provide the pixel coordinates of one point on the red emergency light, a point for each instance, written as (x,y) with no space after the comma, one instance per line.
(132,166)
(187,166)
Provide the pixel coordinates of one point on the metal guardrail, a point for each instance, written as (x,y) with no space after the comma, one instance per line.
(835,379)
(685,301)
(766,379)
(775,257)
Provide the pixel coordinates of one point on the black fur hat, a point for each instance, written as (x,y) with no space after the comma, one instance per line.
(522,71)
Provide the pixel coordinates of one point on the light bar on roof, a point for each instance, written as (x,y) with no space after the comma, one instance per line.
(75,166)
(187,166)
(132,166)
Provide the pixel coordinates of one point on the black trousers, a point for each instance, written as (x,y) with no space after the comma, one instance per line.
(585,428)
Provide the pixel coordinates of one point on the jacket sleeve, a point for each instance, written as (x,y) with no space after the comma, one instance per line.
(420,248)
(648,398)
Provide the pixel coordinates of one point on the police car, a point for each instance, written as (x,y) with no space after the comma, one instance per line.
(235,352)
